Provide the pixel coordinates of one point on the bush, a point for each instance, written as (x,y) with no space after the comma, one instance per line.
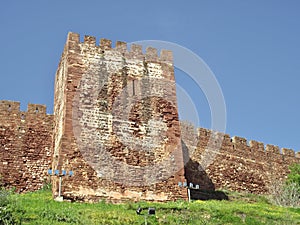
(6,209)
(288,193)
(4,197)
(294,175)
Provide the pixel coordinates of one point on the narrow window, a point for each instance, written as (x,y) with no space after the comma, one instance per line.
(9,108)
(133,88)
(36,110)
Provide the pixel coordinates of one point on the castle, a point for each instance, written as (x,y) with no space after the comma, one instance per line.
(116,126)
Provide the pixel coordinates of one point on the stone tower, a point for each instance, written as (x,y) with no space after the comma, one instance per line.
(116,123)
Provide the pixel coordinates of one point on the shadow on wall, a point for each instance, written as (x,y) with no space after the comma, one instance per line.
(194,173)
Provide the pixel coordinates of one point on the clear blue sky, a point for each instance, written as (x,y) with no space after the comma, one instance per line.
(253,48)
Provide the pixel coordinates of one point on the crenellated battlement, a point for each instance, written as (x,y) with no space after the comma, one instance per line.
(33,141)
(135,52)
(235,163)
(241,143)
(264,148)
(258,146)
(289,152)
(36,108)
(9,106)
(13,107)
(25,145)
(239,140)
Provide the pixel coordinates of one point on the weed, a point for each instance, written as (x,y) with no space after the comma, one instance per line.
(39,208)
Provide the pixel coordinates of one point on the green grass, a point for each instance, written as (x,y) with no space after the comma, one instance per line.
(39,208)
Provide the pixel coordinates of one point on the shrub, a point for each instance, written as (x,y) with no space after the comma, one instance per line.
(4,197)
(287,193)
(294,175)
(6,209)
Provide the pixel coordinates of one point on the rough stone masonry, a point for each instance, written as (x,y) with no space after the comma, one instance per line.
(25,146)
(115,125)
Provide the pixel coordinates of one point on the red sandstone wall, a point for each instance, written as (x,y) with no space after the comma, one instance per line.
(237,165)
(26,137)
(117,69)
(25,145)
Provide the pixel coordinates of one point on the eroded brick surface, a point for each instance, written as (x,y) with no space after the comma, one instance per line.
(235,164)
(115,125)
(26,146)
(120,132)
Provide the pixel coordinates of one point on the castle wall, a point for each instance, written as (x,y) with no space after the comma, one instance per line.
(25,145)
(237,164)
(118,128)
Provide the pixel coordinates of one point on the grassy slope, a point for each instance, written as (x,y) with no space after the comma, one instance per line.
(39,208)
